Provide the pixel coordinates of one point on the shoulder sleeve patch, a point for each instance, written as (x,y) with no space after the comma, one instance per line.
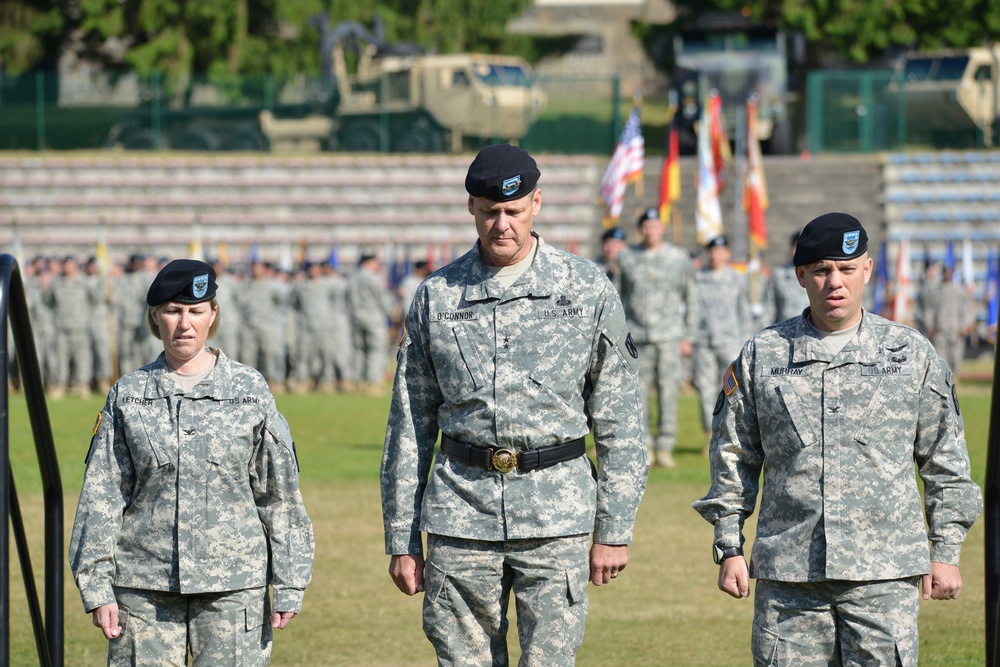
(630,346)
(97,424)
(729,381)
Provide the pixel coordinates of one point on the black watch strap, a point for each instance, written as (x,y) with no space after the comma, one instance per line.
(721,552)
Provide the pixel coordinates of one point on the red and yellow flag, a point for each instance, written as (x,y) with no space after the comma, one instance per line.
(721,154)
(755,200)
(670,177)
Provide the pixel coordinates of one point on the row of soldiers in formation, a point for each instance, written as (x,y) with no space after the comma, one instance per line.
(318,329)
(315,329)
(690,316)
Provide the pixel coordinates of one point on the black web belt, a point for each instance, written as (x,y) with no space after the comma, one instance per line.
(505,460)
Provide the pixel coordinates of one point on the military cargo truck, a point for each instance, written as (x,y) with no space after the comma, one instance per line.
(949,97)
(374,97)
(728,53)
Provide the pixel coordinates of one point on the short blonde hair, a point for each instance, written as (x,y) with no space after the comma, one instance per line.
(153,329)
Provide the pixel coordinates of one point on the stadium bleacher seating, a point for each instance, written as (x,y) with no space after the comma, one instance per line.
(64,204)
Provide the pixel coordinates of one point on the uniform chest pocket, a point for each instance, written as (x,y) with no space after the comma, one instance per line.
(561,358)
(886,421)
(458,361)
(149,434)
(224,432)
(791,422)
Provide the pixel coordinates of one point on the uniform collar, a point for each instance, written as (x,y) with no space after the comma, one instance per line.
(864,348)
(218,385)
(482,286)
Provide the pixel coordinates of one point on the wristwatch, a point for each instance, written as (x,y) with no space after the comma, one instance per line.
(721,552)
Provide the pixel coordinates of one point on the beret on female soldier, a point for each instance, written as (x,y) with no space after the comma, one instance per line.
(502,172)
(836,236)
(183,281)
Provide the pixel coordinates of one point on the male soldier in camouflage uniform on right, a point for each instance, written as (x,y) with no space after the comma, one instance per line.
(835,407)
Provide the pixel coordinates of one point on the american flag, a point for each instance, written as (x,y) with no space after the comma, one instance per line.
(625,167)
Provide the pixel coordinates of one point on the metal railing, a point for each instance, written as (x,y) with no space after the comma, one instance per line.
(991,494)
(48,634)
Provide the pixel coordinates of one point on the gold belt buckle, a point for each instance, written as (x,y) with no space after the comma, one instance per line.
(504,460)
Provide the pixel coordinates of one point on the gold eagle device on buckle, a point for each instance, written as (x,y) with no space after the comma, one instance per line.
(504,460)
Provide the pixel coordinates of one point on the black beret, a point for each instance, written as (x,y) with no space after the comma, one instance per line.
(183,281)
(502,172)
(649,214)
(831,236)
(717,241)
(613,233)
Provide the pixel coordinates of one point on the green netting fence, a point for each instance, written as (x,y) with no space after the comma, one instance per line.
(870,111)
(44,111)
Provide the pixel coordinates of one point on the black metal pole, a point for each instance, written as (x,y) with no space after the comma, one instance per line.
(4,457)
(14,304)
(21,539)
(991,495)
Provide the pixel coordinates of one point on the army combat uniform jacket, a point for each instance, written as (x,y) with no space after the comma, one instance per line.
(836,438)
(188,493)
(535,365)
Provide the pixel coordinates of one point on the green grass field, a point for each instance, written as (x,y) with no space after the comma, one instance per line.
(665,609)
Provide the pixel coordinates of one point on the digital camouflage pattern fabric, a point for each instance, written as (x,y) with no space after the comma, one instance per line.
(189,493)
(535,365)
(836,438)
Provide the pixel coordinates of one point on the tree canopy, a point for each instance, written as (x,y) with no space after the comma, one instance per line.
(240,37)
(863,30)
(236,37)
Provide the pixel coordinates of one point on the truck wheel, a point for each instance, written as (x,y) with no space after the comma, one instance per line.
(243,140)
(360,138)
(196,139)
(419,140)
(140,140)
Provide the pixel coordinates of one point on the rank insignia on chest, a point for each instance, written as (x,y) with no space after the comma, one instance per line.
(729,383)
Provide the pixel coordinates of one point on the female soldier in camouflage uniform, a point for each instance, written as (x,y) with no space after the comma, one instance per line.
(191,483)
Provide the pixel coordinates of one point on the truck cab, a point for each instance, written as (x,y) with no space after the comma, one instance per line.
(438,101)
(951,95)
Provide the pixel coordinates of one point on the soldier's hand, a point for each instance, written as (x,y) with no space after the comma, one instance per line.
(686,348)
(280,619)
(106,618)
(943,583)
(734,578)
(407,571)
(606,561)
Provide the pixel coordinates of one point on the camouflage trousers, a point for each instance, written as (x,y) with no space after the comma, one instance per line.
(710,361)
(660,371)
(158,628)
(951,348)
(836,623)
(74,361)
(467,587)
